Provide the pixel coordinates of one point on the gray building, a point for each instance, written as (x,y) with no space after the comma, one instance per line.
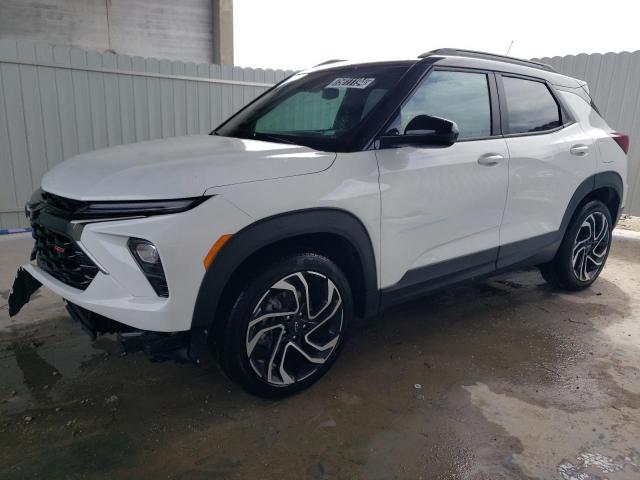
(198,31)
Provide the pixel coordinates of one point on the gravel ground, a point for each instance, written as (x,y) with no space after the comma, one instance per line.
(502,379)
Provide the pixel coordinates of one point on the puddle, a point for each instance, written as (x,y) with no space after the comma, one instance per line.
(557,444)
(39,375)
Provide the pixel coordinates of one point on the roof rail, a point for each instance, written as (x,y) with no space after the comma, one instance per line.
(333,60)
(488,56)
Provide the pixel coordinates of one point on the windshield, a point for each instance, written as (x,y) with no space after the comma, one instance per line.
(317,109)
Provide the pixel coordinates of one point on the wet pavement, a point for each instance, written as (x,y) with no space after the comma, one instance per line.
(503,379)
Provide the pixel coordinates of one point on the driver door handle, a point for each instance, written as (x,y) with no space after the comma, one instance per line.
(490,159)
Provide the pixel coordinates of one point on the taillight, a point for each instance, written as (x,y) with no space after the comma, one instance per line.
(622,140)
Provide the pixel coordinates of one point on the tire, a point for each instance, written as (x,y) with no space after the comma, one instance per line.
(273,345)
(583,251)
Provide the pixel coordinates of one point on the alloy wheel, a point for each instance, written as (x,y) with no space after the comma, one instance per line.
(295,328)
(590,246)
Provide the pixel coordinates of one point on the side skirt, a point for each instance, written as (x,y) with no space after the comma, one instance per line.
(421,281)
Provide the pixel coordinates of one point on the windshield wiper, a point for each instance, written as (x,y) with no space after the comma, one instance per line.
(266,137)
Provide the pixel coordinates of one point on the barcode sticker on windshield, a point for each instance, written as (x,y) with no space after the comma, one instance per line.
(351,83)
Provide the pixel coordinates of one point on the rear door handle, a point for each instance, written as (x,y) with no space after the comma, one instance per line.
(490,159)
(579,150)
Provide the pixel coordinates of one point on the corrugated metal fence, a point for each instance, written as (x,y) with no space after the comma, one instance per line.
(56,102)
(614,84)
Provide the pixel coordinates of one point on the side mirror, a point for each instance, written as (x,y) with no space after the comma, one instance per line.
(424,130)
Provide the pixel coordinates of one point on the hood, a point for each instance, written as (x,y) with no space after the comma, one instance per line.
(178,167)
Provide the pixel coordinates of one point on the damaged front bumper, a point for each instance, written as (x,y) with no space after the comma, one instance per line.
(24,286)
(158,346)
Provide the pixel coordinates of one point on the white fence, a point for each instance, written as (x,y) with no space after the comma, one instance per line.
(56,102)
(614,83)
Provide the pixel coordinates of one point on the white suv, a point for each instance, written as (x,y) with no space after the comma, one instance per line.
(343,190)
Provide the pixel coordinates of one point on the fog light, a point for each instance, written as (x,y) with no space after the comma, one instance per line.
(147,252)
(147,257)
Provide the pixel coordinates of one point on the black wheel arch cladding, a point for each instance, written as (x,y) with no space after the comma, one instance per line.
(271,231)
(609,180)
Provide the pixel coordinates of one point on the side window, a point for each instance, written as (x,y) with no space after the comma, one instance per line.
(462,97)
(530,106)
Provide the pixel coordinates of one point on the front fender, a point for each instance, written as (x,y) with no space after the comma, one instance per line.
(267,232)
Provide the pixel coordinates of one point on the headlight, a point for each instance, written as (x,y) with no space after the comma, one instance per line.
(148,259)
(141,208)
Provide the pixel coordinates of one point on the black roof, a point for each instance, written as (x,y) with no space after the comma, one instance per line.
(487,56)
(473,59)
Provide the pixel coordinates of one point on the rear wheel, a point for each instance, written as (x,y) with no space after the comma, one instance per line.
(287,325)
(584,249)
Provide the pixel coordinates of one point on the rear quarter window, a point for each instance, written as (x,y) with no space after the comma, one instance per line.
(530,106)
(582,110)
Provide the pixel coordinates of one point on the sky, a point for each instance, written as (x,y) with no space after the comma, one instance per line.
(292,34)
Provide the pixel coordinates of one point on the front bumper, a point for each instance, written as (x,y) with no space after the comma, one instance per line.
(23,287)
(121,292)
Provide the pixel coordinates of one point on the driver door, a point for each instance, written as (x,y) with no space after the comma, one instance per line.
(442,206)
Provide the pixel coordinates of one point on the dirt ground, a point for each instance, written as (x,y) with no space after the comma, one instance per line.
(503,379)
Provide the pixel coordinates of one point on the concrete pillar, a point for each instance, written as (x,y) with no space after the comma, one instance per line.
(222,31)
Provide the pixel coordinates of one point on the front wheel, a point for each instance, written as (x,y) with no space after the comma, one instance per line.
(584,249)
(287,325)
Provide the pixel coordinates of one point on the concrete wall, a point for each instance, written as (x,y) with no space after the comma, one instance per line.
(223,33)
(614,84)
(187,30)
(57,101)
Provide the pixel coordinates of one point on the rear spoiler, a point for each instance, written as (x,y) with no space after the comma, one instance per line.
(584,86)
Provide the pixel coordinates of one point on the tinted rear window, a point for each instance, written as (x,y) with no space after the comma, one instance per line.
(530,106)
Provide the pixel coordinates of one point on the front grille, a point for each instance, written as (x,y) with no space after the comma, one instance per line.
(62,258)
(58,223)
(66,208)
